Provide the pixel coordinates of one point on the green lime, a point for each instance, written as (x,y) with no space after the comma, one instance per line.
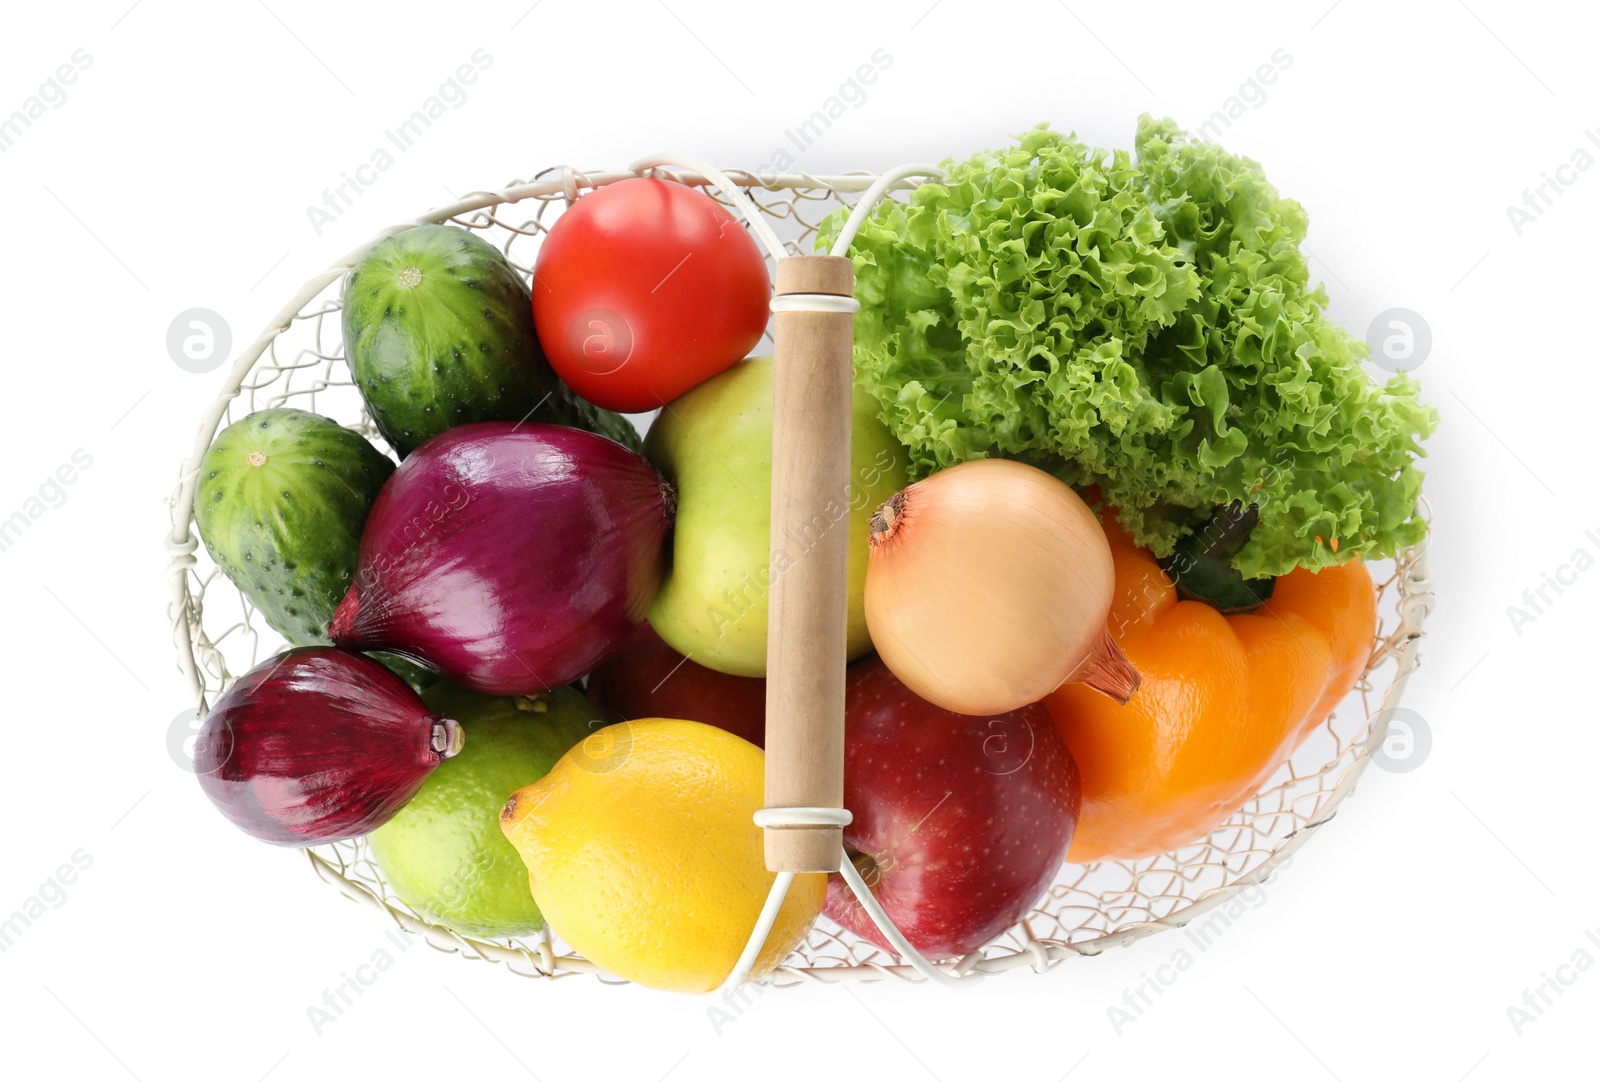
(444,855)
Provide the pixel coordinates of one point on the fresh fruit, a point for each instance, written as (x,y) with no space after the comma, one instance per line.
(1148,321)
(645,288)
(960,822)
(988,586)
(1224,702)
(318,745)
(646,678)
(715,445)
(438,333)
(280,502)
(444,854)
(642,854)
(512,558)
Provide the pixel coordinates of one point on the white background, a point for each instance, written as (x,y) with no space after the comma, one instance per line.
(177,175)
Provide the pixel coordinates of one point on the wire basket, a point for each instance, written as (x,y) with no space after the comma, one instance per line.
(298,361)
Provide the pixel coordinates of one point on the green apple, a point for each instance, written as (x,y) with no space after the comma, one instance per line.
(715,445)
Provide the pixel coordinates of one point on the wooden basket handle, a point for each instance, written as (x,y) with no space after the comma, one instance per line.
(809,569)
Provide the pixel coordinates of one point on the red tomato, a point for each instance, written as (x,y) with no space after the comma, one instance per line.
(645,288)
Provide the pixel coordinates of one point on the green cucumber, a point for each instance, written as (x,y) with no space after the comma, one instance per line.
(280,503)
(566,408)
(438,332)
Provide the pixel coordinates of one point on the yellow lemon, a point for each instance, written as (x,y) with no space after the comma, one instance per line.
(642,854)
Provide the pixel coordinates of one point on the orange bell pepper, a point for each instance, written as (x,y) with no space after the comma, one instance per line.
(1225,700)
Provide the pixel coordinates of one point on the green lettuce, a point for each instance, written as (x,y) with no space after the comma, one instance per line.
(1144,323)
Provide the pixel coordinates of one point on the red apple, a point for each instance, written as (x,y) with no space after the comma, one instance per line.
(961,822)
(646,678)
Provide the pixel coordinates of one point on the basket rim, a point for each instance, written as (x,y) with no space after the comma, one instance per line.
(1413,579)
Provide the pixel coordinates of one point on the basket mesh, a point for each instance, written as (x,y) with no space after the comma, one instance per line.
(299,362)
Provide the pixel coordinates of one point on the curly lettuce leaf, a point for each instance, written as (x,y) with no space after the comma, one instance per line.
(1142,323)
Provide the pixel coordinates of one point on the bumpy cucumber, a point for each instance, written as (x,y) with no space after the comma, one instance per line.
(566,408)
(438,330)
(280,503)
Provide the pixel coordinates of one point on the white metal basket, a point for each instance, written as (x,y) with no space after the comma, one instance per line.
(298,360)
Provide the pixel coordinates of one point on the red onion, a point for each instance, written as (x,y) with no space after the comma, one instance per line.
(513,558)
(318,745)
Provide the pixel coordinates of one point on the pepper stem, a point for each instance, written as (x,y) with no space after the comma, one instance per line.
(1201,565)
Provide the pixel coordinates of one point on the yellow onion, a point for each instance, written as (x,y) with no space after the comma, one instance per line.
(988,587)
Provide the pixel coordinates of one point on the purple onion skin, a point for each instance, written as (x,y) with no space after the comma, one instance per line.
(512,558)
(318,745)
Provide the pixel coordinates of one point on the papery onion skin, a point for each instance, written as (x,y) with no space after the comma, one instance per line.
(512,558)
(988,587)
(318,745)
